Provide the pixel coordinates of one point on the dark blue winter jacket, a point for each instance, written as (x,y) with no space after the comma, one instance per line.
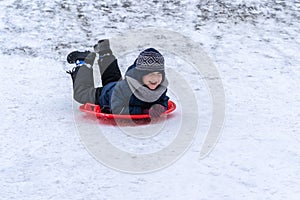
(117,98)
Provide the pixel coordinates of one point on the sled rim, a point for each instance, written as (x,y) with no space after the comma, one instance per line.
(95,110)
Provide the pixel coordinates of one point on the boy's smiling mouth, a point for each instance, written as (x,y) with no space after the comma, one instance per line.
(153,83)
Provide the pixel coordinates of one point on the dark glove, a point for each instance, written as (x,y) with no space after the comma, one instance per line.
(156,110)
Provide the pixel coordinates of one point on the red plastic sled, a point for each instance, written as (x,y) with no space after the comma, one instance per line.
(96,110)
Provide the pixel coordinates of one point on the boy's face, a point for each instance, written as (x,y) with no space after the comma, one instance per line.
(152,80)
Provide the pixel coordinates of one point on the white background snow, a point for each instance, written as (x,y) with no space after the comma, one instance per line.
(255,46)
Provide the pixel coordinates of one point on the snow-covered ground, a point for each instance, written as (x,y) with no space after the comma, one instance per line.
(254,45)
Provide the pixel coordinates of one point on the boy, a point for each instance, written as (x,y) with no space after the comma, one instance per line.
(142,91)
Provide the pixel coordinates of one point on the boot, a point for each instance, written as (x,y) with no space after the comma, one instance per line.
(86,56)
(103,48)
(79,58)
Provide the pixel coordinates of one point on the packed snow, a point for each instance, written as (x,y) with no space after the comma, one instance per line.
(254,45)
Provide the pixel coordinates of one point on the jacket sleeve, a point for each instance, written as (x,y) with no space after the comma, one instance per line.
(163,100)
(120,99)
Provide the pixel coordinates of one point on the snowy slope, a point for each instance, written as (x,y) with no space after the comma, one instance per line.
(255,47)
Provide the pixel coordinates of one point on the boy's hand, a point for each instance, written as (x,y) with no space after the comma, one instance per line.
(156,110)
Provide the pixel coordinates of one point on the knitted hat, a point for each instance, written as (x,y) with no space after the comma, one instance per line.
(148,61)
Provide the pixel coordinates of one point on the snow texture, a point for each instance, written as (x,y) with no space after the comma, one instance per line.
(255,46)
